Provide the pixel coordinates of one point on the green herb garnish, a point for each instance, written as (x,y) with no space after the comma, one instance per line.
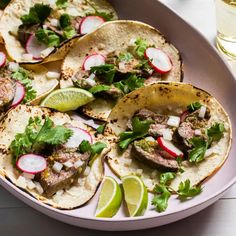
(125,56)
(194,106)
(22,75)
(93,149)
(37,135)
(104,72)
(141,46)
(4,3)
(48,37)
(140,129)
(100,129)
(62,3)
(216,132)
(99,88)
(37,14)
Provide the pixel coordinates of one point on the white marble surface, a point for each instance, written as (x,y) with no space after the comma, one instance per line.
(219,219)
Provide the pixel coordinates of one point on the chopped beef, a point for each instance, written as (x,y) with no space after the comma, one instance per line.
(24,31)
(130,66)
(54,28)
(114,92)
(7,92)
(145,114)
(186,131)
(155,130)
(79,79)
(76,22)
(153,156)
(111,58)
(52,181)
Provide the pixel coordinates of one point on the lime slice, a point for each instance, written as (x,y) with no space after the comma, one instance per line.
(67,99)
(136,195)
(110,198)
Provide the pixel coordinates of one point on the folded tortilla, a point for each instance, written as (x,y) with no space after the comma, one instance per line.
(166,98)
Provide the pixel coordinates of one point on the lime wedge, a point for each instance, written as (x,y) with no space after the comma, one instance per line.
(110,198)
(67,99)
(136,195)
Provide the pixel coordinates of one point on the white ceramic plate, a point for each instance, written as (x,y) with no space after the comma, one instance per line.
(203,67)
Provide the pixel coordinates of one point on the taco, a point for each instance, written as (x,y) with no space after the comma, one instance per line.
(36,31)
(55,159)
(23,85)
(116,59)
(168,127)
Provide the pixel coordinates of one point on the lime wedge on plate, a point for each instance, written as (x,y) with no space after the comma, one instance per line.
(110,198)
(67,99)
(136,195)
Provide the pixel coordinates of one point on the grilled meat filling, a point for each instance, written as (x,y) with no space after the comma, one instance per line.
(149,153)
(7,92)
(52,181)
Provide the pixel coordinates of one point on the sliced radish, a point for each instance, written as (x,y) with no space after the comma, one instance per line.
(159,60)
(19,94)
(78,136)
(90,23)
(34,47)
(169,147)
(31,163)
(3,59)
(93,60)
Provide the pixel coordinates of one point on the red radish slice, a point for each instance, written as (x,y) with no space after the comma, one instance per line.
(34,47)
(78,136)
(31,163)
(93,60)
(90,23)
(19,94)
(158,59)
(169,147)
(3,59)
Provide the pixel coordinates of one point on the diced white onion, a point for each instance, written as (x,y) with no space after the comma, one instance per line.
(150,139)
(148,183)
(46,51)
(167,134)
(91,82)
(45,26)
(173,121)
(27,57)
(127,162)
(154,174)
(54,22)
(21,182)
(31,185)
(68,164)
(13,66)
(72,11)
(57,166)
(78,163)
(87,171)
(202,112)
(197,132)
(139,171)
(122,65)
(38,187)
(132,42)
(92,76)
(28,176)
(53,75)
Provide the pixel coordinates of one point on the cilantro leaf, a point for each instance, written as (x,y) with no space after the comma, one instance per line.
(37,14)
(185,191)
(194,106)
(141,46)
(198,152)
(99,88)
(100,129)
(125,56)
(37,135)
(131,83)
(93,149)
(69,32)
(48,37)
(215,132)
(64,21)
(23,75)
(104,72)
(160,200)
(62,3)
(140,129)
(165,178)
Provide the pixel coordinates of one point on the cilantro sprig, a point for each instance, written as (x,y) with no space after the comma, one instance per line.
(62,4)
(99,88)
(141,46)
(163,191)
(140,129)
(93,149)
(48,37)
(37,135)
(22,76)
(194,106)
